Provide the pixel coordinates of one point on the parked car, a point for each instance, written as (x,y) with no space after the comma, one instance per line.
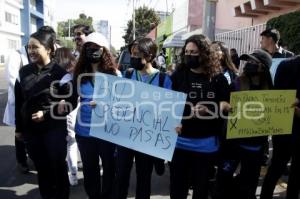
(124,60)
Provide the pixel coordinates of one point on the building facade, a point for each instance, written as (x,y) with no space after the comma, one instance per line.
(103,27)
(49,16)
(32,17)
(242,21)
(19,19)
(10,27)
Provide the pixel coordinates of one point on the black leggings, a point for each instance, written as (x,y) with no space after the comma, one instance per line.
(48,152)
(282,152)
(190,168)
(144,167)
(244,186)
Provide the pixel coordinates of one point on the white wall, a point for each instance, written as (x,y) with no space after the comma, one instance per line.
(180,17)
(10,32)
(49,13)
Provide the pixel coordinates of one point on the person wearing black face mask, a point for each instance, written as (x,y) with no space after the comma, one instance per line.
(192,61)
(200,77)
(95,57)
(143,52)
(251,69)
(136,63)
(248,152)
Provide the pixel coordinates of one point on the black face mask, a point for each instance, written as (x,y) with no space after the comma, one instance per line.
(93,55)
(250,69)
(136,63)
(191,62)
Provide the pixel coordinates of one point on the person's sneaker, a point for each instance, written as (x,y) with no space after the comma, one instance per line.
(23,168)
(73,179)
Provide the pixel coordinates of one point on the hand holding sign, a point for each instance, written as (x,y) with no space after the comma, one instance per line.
(260,113)
(136,115)
(93,104)
(297,109)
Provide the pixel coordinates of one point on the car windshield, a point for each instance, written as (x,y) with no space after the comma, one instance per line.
(125,58)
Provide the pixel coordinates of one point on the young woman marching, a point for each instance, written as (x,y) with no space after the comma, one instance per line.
(94,57)
(65,58)
(37,93)
(143,52)
(247,152)
(201,79)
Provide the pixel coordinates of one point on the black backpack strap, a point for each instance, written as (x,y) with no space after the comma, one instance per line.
(128,73)
(162,77)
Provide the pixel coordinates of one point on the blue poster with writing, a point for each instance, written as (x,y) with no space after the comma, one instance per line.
(136,115)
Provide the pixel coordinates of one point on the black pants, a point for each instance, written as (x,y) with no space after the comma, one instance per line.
(293,188)
(48,151)
(21,154)
(282,152)
(244,186)
(91,149)
(144,167)
(190,168)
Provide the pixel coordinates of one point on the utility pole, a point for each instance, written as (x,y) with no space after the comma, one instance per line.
(167,8)
(209,18)
(69,28)
(133,20)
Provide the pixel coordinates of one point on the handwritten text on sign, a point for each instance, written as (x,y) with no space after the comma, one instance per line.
(136,115)
(260,113)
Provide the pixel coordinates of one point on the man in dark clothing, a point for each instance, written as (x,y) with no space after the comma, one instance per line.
(284,146)
(269,42)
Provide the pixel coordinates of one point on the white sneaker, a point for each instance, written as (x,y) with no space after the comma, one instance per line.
(73,179)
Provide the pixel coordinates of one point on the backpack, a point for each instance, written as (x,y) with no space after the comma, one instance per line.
(162,76)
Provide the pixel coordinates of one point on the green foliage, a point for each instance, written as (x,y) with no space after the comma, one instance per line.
(67,43)
(145,19)
(289,28)
(64,26)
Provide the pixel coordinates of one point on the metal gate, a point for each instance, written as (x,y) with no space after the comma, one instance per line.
(244,40)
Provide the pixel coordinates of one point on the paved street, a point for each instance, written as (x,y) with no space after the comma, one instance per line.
(24,186)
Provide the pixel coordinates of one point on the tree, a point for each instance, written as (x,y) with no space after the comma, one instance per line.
(64,26)
(289,28)
(145,19)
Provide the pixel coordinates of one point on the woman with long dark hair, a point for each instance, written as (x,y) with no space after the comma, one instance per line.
(200,77)
(228,68)
(94,57)
(65,58)
(37,92)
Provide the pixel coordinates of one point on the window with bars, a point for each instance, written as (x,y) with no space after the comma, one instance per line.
(2,59)
(12,44)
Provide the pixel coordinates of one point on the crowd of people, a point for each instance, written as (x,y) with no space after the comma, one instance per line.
(50,102)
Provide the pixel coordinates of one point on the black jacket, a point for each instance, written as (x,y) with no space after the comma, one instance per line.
(282,53)
(39,90)
(200,89)
(288,77)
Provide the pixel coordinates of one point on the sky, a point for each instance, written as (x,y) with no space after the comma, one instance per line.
(117,12)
